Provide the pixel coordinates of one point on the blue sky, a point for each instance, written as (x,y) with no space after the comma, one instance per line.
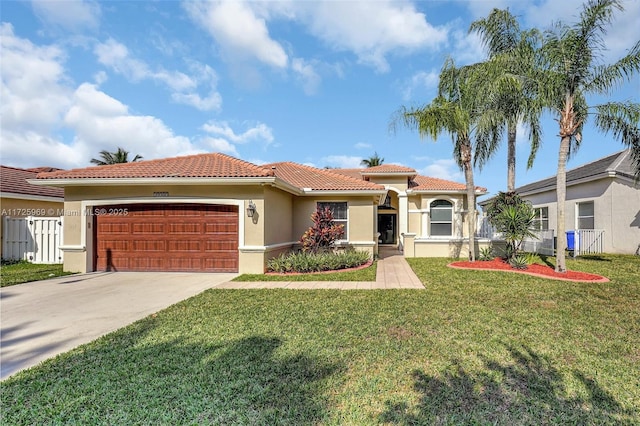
(314,82)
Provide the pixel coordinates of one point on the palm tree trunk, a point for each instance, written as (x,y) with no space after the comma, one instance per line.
(467,165)
(561,195)
(511,156)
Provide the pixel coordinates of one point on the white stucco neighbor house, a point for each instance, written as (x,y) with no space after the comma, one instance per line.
(602,196)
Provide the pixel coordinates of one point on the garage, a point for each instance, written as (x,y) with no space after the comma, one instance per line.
(166,237)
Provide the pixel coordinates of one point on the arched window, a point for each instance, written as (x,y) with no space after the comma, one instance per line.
(441,218)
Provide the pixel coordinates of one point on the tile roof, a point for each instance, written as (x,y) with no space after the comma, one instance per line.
(315,179)
(14,181)
(620,163)
(388,168)
(213,165)
(426,183)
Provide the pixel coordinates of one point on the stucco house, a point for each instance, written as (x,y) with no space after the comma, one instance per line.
(19,198)
(601,196)
(213,212)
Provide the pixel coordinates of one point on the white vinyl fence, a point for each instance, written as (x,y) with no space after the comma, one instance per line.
(36,239)
(589,241)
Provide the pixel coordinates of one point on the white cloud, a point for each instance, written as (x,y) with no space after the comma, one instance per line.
(421,81)
(363,145)
(342,161)
(185,87)
(307,75)
(100,120)
(33,94)
(239,32)
(371,30)
(220,145)
(39,103)
(69,14)
(260,132)
(443,169)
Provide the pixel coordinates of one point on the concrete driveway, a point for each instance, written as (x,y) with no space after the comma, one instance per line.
(42,319)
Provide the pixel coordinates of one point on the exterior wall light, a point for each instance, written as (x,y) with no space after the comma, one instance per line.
(251,209)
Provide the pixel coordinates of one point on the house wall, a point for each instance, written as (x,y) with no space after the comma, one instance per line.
(616,210)
(15,207)
(361,219)
(78,232)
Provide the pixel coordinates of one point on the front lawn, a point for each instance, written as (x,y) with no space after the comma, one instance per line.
(23,272)
(474,347)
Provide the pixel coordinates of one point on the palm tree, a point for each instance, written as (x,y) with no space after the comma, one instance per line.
(457,111)
(120,156)
(372,161)
(570,71)
(511,54)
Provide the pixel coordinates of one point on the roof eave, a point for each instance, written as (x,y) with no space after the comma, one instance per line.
(31,197)
(443,191)
(151,181)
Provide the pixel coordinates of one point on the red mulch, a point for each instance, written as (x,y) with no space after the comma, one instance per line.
(544,271)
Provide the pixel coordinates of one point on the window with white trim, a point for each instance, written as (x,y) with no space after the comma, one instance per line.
(541,221)
(339,211)
(585,216)
(441,218)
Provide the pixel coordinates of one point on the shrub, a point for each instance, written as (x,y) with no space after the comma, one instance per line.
(305,262)
(519,262)
(514,218)
(323,233)
(486,254)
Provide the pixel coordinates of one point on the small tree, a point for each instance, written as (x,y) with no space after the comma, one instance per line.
(323,233)
(514,218)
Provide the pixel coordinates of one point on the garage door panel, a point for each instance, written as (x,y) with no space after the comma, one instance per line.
(221,246)
(114,228)
(148,228)
(165,237)
(185,228)
(150,245)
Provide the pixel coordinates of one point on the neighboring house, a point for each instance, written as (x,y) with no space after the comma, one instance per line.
(213,212)
(601,196)
(19,198)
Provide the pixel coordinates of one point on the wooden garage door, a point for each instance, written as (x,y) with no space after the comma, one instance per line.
(167,237)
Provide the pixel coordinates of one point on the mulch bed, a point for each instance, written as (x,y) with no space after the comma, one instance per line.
(544,271)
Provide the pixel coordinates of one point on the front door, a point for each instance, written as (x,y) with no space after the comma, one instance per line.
(387,228)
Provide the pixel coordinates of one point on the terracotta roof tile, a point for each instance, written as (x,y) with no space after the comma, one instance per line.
(388,168)
(353,173)
(318,179)
(213,165)
(14,180)
(426,183)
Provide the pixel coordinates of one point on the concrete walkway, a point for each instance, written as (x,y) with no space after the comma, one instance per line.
(41,319)
(393,273)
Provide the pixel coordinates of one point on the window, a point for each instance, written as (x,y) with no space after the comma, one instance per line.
(541,222)
(585,215)
(339,211)
(441,218)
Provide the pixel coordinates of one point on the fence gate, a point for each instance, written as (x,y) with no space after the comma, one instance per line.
(36,239)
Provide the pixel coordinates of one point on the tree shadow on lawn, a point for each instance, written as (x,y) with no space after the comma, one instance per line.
(240,382)
(529,391)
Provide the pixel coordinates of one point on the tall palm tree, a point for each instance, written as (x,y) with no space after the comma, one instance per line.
(570,72)
(511,54)
(120,156)
(372,161)
(457,111)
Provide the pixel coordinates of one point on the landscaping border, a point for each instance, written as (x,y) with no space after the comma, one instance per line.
(519,271)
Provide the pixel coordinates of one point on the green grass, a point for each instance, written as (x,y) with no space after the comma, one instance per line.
(365,274)
(474,347)
(23,272)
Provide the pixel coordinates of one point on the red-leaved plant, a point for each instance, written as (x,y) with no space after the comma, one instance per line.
(323,233)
